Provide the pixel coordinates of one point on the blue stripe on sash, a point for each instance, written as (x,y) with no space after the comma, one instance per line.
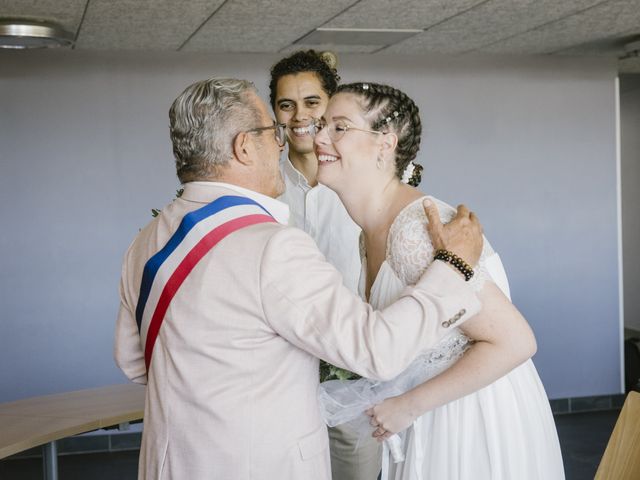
(188,222)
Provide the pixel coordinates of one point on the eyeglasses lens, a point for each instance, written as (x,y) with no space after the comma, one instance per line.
(280,134)
(334,133)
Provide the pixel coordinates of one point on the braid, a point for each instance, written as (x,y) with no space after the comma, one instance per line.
(392,110)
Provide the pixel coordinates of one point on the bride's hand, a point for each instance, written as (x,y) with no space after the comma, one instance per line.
(391,416)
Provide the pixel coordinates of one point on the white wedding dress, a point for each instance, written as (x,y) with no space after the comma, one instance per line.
(504,431)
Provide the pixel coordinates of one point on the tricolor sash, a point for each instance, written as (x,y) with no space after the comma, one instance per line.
(198,233)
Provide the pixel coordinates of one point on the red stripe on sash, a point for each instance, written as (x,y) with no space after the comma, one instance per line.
(185,267)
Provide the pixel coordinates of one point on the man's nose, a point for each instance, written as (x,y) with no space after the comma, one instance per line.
(302,113)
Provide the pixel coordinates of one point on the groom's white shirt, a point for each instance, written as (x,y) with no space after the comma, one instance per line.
(231,389)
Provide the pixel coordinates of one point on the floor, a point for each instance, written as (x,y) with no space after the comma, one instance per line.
(583,437)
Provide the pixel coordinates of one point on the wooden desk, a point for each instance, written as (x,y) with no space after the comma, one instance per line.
(38,421)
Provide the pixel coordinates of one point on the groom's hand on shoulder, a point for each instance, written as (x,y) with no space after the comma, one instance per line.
(462,235)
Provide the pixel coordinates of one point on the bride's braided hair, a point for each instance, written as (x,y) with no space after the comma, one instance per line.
(389,109)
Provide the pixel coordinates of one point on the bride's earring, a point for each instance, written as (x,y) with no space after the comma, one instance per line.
(380,162)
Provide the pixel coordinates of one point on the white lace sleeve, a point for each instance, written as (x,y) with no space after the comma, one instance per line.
(409,248)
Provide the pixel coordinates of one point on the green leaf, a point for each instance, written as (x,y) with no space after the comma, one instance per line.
(155,211)
(331,372)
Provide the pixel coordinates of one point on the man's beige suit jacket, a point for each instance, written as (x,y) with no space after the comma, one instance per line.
(231,389)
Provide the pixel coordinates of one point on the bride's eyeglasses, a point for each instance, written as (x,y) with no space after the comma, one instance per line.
(335,130)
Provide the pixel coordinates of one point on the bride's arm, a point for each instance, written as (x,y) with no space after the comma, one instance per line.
(503,340)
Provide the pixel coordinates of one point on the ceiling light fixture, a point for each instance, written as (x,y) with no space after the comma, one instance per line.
(21,34)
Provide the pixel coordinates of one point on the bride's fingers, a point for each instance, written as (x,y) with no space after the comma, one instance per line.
(369,411)
(373,422)
(379,432)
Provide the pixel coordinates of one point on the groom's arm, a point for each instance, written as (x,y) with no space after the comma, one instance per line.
(305,301)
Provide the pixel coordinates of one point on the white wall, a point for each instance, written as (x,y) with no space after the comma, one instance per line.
(84,155)
(630,179)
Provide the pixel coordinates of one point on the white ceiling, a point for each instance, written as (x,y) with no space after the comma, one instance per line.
(451,27)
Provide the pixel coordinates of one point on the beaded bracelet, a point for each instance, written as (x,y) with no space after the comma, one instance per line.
(463,267)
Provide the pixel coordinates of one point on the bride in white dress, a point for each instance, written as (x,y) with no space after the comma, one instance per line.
(472,407)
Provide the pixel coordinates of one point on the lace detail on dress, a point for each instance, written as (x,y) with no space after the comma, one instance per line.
(436,360)
(409,248)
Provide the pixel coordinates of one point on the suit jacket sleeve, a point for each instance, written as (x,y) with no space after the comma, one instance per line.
(127,351)
(305,301)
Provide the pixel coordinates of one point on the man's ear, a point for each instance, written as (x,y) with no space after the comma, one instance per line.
(242,148)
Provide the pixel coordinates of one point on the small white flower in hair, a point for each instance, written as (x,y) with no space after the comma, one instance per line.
(408,173)
(365,86)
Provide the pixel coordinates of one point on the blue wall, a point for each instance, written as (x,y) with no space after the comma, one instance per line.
(85,155)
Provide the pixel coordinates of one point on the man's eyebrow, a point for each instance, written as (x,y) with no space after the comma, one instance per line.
(310,97)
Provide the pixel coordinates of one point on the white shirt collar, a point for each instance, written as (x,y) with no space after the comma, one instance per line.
(279,210)
(296,178)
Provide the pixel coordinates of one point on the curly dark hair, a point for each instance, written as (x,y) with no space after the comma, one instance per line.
(321,63)
(388,108)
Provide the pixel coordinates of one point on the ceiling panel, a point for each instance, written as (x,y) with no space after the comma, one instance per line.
(564,27)
(488,23)
(602,22)
(629,65)
(612,47)
(142,24)
(262,26)
(400,13)
(360,36)
(66,13)
(332,47)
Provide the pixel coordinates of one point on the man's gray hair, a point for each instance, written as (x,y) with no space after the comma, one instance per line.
(204,121)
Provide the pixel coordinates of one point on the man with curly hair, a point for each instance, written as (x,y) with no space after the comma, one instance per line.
(300,87)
